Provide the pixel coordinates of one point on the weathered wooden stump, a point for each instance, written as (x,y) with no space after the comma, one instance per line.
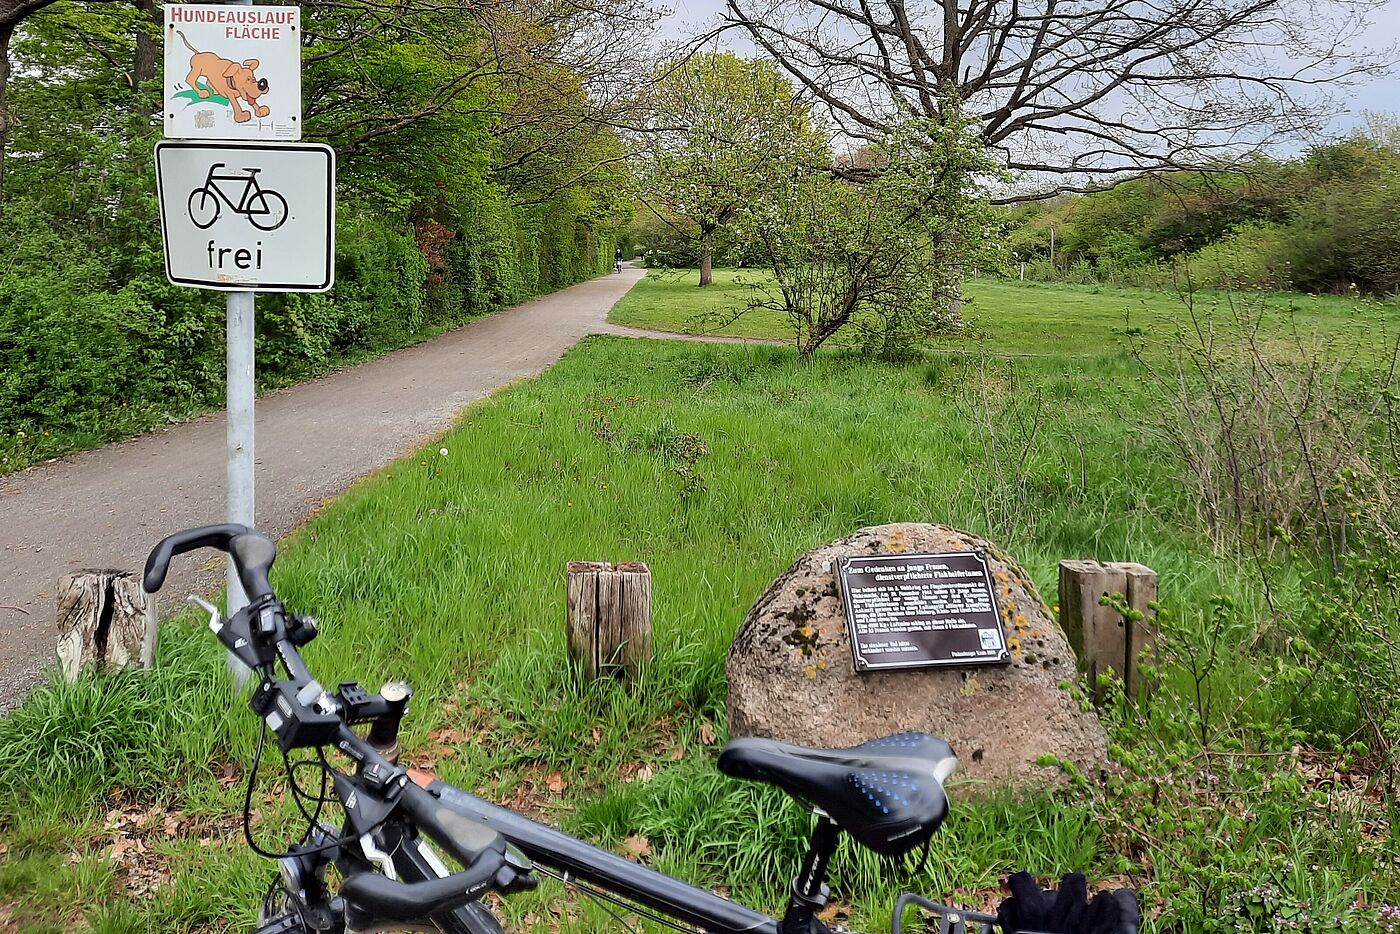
(1100,636)
(609,617)
(104,619)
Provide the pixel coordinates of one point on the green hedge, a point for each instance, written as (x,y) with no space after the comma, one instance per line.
(96,345)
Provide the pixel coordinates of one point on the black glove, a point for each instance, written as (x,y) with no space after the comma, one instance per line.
(1068,910)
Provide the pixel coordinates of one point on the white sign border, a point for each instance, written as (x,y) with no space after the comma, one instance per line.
(328,281)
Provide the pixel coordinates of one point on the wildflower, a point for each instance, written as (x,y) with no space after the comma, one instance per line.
(442,451)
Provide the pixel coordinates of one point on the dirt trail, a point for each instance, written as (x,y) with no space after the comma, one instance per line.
(106,508)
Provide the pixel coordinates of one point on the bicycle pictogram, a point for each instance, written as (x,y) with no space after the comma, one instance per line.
(264,208)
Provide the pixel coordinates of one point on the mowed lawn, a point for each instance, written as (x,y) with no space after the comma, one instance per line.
(718,465)
(1003,315)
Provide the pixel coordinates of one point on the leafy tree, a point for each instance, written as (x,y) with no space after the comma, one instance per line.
(873,247)
(723,130)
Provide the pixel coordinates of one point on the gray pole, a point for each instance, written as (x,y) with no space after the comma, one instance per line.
(240,444)
(239,359)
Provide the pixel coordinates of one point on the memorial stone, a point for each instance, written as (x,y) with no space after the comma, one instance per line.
(793,675)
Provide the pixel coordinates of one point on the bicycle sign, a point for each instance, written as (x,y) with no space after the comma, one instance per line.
(247,216)
(265,210)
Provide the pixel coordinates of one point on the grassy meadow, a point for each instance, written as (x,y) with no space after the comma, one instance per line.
(717,465)
(1004,316)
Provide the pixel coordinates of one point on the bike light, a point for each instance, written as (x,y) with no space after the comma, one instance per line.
(293,880)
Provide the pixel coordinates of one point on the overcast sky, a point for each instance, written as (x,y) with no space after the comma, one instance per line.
(690,17)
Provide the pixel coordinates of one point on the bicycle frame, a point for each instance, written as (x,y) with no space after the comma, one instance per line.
(250,183)
(563,853)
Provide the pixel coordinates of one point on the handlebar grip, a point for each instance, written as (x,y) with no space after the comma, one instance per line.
(252,552)
(384,899)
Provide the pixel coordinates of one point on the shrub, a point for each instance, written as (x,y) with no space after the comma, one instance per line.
(1272,426)
(1252,256)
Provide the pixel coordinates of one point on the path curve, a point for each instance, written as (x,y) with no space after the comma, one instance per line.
(106,508)
(624,330)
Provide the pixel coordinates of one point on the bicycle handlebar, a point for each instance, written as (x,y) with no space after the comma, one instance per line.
(252,552)
(384,899)
(302,714)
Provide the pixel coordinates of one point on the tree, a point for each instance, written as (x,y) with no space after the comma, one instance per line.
(13,14)
(721,130)
(874,245)
(1080,92)
(544,78)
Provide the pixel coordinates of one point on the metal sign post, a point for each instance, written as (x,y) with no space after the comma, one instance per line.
(239,359)
(240,397)
(233,80)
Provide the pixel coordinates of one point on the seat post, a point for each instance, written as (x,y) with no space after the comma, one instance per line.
(809,890)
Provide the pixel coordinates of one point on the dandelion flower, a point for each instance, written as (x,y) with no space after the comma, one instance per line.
(442,451)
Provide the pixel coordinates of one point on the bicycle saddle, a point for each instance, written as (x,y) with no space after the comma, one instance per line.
(886,793)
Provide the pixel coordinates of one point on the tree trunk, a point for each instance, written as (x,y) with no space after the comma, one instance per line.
(609,617)
(1100,637)
(6,31)
(148,50)
(707,257)
(955,303)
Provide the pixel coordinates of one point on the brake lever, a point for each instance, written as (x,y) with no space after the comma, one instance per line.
(237,641)
(237,633)
(215,617)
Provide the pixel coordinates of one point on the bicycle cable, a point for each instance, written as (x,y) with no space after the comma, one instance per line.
(331,843)
(602,898)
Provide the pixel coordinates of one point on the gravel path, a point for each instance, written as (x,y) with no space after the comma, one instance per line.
(106,508)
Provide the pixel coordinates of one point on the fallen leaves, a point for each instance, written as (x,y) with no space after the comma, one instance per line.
(630,772)
(636,847)
(835,914)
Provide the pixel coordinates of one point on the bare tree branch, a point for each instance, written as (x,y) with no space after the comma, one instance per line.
(1077,91)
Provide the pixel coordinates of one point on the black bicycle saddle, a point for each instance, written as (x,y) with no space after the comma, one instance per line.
(886,793)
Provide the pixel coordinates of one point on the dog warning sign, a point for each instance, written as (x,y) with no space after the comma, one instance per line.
(232,72)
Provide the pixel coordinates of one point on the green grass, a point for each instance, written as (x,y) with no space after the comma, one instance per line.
(718,465)
(1004,316)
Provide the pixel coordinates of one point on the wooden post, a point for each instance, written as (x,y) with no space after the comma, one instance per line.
(1141,637)
(609,617)
(104,619)
(1096,632)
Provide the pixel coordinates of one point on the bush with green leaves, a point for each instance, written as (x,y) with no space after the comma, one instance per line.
(877,248)
(1322,221)
(96,345)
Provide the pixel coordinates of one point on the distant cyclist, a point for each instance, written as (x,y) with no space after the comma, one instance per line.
(617,260)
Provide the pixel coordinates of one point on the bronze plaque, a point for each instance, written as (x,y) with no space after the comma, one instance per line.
(913,611)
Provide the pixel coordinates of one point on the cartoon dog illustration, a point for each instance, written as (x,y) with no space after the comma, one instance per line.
(232,80)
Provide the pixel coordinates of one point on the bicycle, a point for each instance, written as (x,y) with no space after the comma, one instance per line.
(886,794)
(264,208)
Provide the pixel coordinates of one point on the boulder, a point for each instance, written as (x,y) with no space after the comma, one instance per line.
(791,676)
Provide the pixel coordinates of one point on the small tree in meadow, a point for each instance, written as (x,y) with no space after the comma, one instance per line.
(723,131)
(875,246)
